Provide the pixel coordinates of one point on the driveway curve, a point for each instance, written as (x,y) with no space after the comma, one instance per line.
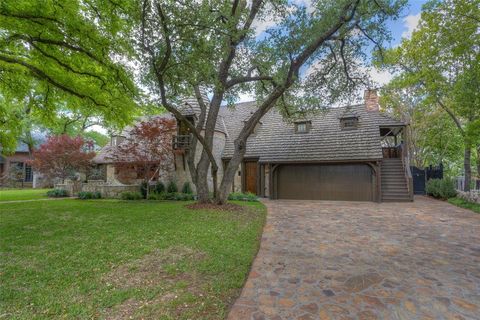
(359,260)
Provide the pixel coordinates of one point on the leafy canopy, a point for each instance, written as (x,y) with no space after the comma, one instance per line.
(67,55)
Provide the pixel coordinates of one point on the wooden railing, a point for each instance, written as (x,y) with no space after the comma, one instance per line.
(392,152)
(407,171)
(181,142)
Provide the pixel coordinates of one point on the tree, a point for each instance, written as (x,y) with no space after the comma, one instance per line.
(433,137)
(54,56)
(147,148)
(62,157)
(188,44)
(443,59)
(310,57)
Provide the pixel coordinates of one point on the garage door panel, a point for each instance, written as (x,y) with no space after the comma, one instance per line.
(325,182)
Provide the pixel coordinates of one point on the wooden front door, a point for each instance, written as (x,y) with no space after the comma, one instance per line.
(251,176)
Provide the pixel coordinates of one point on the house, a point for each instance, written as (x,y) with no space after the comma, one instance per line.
(347,153)
(14,168)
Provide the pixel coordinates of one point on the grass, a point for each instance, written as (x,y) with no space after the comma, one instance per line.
(22,194)
(116,259)
(475,207)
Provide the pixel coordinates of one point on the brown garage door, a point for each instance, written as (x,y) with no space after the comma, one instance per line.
(324,182)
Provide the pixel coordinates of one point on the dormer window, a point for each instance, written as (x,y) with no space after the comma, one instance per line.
(349,123)
(302,126)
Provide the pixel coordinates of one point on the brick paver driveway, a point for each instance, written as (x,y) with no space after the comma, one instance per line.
(349,260)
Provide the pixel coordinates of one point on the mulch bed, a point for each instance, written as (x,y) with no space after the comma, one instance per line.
(231,207)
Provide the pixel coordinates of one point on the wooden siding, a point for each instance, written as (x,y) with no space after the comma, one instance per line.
(350,182)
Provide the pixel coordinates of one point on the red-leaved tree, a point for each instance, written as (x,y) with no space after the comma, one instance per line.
(147,148)
(62,156)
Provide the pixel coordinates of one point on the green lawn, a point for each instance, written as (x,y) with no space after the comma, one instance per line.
(112,259)
(465,204)
(22,194)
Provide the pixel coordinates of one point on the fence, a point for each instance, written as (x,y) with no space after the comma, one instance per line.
(460,184)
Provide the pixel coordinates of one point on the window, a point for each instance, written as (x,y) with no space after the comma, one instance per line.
(302,127)
(28,173)
(349,123)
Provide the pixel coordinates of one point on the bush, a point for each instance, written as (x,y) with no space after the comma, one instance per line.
(243,196)
(176,196)
(187,188)
(172,187)
(57,193)
(160,187)
(84,195)
(143,189)
(131,196)
(441,188)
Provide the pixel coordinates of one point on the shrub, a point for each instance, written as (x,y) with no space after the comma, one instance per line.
(469,196)
(243,196)
(131,195)
(153,196)
(187,188)
(160,187)
(176,196)
(57,193)
(143,189)
(172,187)
(84,195)
(441,188)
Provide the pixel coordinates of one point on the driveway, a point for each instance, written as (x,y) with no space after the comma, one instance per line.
(359,260)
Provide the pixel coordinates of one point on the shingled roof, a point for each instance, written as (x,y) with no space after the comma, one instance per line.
(275,139)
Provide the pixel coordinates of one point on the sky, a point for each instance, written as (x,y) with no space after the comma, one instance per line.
(400,28)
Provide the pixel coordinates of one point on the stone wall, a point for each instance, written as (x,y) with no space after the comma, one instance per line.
(106,189)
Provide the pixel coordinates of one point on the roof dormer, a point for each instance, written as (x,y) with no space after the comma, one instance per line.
(349,120)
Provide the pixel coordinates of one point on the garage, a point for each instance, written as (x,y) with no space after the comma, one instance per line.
(350,182)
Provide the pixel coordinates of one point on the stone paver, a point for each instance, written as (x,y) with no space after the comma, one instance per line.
(358,260)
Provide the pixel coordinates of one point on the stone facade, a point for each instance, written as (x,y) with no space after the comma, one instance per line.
(106,189)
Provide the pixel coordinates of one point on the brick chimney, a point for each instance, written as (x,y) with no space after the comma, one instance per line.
(371,100)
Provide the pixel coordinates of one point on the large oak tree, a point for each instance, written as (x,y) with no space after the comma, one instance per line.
(310,57)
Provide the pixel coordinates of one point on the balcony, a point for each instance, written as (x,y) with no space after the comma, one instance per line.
(181,142)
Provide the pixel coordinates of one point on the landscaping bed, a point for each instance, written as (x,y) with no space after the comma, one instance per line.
(115,259)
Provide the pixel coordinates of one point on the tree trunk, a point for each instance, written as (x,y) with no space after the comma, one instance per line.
(467,165)
(229,175)
(478,161)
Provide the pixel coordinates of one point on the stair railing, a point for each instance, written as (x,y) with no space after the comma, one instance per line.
(408,173)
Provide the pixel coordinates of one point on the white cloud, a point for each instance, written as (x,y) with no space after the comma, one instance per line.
(410,23)
(381,77)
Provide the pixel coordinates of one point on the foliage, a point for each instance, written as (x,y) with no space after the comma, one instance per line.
(176,196)
(433,137)
(159,187)
(172,187)
(85,195)
(441,63)
(57,193)
(187,188)
(470,196)
(441,188)
(22,194)
(144,186)
(62,157)
(148,147)
(243,196)
(64,57)
(475,207)
(215,248)
(131,195)
(83,55)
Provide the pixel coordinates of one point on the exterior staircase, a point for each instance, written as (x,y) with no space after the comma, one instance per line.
(394,183)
